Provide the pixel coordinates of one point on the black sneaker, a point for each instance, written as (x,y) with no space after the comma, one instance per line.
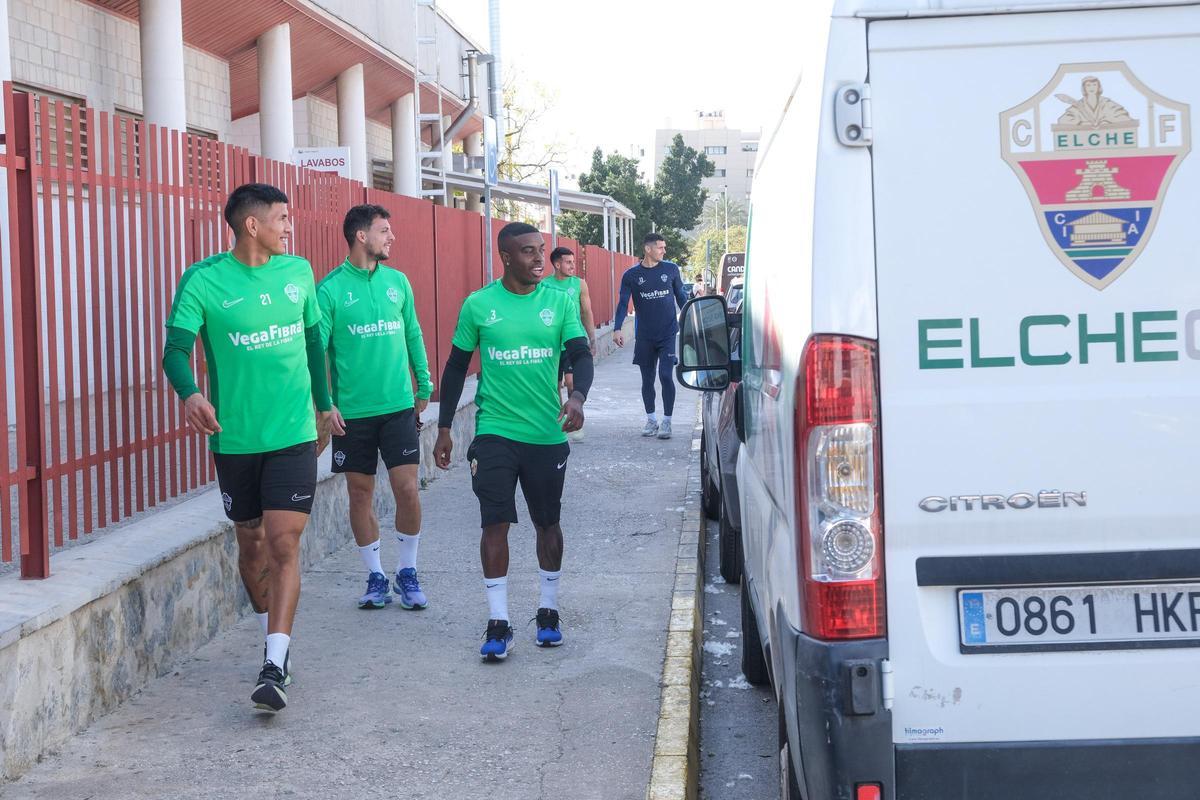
(287,665)
(497,641)
(268,694)
(548,634)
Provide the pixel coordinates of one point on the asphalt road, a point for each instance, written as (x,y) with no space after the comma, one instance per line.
(738,741)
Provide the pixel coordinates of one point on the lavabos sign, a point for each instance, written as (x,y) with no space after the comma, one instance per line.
(1095,149)
(323,159)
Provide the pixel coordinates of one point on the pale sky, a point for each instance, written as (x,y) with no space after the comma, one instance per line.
(622,68)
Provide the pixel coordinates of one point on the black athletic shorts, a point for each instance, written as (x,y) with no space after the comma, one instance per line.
(394,436)
(647,352)
(281,480)
(497,464)
(564,366)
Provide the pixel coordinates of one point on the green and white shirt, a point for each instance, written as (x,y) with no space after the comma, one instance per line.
(570,285)
(519,337)
(251,321)
(369,327)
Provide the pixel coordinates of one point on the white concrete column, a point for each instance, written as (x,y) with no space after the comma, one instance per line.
(352,120)
(276,126)
(473,147)
(164,92)
(404,146)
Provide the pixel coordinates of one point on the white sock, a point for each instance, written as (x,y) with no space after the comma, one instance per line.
(667,420)
(549,581)
(497,595)
(409,542)
(277,647)
(262,620)
(651,418)
(370,557)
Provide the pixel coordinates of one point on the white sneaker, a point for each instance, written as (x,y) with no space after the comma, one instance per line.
(664,430)
(650,429)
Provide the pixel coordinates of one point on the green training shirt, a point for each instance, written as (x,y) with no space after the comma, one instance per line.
(570,285)
(251,321)
(519,339)
(369,326)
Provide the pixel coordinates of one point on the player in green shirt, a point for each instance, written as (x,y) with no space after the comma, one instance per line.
(369,326)
(564,279)
(520,326)
(255,311)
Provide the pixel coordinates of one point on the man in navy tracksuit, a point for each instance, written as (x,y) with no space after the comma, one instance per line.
(656,287)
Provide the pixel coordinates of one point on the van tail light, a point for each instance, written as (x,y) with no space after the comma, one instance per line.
(839,489)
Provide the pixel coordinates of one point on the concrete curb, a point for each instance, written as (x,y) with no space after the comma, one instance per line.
(675,768)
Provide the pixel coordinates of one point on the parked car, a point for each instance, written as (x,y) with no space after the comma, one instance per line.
(970,403)
(733,295)
(718,463)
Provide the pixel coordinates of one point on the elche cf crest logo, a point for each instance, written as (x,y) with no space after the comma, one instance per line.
(227,500)
(293,292)
(1095,150)
(393,295)
(663,278)
(339,457)
(547,317)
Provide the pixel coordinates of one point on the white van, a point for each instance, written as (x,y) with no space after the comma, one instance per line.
(970,403)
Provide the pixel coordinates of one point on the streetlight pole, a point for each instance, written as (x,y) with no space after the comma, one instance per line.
(725,198)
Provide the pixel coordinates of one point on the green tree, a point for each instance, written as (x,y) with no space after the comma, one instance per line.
(678,197)
(618,177)
(712,240)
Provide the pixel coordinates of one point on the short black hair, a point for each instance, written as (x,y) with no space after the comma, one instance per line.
(557,253)
(651,238)
(512,230)
(361,218)
(247,199)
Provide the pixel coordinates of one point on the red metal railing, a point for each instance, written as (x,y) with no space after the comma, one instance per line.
(104,214)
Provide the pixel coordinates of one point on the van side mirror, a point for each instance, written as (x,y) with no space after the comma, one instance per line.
(704,359)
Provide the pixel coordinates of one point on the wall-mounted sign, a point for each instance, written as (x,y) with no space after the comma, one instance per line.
(323,159)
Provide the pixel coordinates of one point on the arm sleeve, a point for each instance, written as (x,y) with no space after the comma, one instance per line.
(316,367)
(580,356)
(325,306)
(177,361)
(466,332)
(677,285)
(417,357)
(453,378)
(623,302)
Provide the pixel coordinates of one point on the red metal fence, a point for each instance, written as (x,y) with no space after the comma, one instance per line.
(104,214)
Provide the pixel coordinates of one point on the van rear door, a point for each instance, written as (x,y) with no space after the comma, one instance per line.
(1039,336)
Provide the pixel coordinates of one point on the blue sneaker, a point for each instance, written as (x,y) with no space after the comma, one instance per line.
(548,634)
(409,589)
(378,592)
(497,641)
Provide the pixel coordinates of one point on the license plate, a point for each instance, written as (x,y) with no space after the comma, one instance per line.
(1114,617)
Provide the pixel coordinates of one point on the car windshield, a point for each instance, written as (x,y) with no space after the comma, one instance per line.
(734,295)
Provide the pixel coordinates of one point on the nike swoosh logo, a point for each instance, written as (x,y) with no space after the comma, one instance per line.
(349,303)
(491,585)
(551,580)
(409,452)
(560,466)
(296,498)
(232,303)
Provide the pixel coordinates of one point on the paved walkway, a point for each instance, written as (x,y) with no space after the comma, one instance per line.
(397,703)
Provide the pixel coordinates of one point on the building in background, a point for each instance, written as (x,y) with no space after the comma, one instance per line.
(732,151)
(268,75)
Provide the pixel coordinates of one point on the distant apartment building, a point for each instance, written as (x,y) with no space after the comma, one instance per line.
(732,151)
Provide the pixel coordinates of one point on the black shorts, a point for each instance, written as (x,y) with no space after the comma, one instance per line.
(280,480)
(564,366)
(497,464)
(648,352)
(394,436)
